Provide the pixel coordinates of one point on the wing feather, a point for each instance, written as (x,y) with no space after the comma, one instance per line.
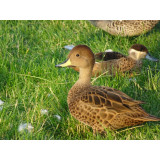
(108,98)
(105,56)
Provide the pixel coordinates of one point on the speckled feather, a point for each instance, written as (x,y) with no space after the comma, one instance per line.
(125,27)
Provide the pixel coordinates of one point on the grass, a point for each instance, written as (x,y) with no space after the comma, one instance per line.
(30,82)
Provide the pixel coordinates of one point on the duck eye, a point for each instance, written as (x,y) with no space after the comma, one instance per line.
(77,55)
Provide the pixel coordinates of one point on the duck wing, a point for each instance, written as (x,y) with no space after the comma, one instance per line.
(105,56)
(104,107)
(109,99)
(114,107)
(117,92)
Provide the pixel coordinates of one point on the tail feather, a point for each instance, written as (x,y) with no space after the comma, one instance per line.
(153,118)
(149,118)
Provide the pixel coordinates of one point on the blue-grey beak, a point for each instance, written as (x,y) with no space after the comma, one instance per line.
(149,57)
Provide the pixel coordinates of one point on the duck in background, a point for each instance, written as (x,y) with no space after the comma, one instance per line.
(125,27)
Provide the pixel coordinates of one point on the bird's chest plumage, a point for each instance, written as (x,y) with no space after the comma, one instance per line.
(74,96)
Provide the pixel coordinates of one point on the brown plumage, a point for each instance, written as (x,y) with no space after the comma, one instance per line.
(108,55)
(98,106)
(125,27)
(115,62)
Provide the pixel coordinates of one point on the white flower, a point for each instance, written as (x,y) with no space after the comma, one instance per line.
(1,107)
(1,102)
(49,95)
(133,79)
(25,126)
(58,117)
(44,111)
(69,47)
(109,50)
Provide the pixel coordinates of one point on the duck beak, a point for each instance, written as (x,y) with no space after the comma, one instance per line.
(66,63)
(148,56)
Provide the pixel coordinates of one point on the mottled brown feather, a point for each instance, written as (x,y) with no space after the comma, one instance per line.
(125,27)
(109,106)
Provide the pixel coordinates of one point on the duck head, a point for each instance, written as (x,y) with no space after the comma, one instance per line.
(139,51)
(80,56)
(83,59)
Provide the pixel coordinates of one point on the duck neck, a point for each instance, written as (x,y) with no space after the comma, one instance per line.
(85,76)
(132,57)
(135,55)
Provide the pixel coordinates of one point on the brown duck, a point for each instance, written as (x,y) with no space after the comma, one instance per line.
(115,62)
(98,106)
(125,27)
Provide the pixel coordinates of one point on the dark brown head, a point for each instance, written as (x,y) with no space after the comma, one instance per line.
(139,47)
(80,56)
(139,51)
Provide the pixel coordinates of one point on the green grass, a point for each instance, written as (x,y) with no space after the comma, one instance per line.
(30,82)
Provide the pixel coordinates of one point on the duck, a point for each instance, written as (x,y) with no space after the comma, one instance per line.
(125,27)
(111,62)
(100,107)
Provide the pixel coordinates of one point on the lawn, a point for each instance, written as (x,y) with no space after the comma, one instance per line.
(30,83)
